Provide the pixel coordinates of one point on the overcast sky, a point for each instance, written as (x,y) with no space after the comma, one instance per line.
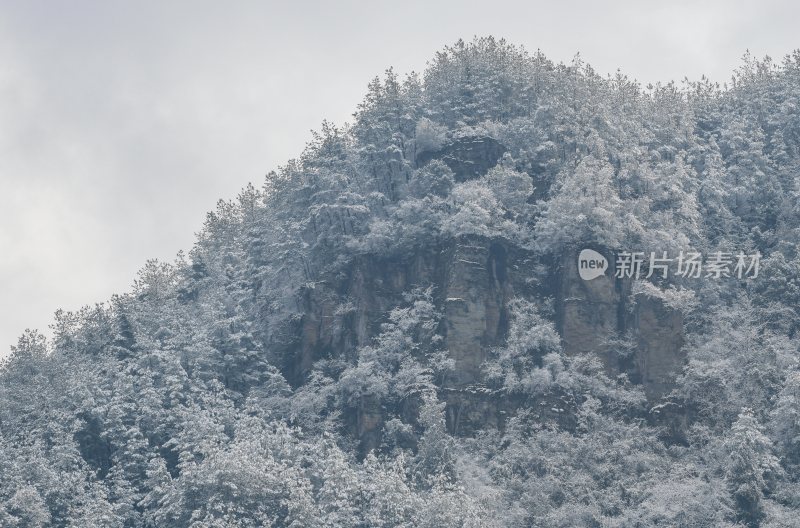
(122,123)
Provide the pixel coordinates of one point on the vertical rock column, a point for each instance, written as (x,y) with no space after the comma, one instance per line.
(474,302)
(659,353)
(590,312)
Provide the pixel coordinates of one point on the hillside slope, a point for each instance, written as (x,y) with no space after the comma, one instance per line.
(393,330)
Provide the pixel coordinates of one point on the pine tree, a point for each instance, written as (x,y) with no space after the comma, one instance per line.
(751,468)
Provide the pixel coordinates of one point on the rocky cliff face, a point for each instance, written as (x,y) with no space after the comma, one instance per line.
(467,157)
(632,334)
(474,280)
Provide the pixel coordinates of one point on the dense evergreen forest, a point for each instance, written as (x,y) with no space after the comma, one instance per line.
(307,363)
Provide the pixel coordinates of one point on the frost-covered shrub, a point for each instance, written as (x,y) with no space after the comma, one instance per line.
(430,136)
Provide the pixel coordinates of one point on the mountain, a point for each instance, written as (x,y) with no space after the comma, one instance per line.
(510,293)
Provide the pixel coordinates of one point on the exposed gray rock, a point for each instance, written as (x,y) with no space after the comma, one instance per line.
(659,353)
(468,158)
(594,315)
(590,313)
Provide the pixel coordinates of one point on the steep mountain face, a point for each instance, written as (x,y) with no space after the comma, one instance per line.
(467,157)
(474,278)
(591,313)
(394,330)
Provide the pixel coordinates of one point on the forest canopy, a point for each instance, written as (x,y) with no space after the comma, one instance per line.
(190,400)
